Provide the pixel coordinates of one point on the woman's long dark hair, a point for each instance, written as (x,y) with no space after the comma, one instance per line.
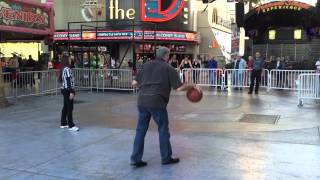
(64,63)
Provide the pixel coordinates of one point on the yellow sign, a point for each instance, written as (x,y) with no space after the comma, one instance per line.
(289,5)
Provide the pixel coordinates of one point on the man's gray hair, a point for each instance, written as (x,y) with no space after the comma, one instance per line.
(162,52)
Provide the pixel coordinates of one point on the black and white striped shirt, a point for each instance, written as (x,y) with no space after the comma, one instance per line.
(67,79)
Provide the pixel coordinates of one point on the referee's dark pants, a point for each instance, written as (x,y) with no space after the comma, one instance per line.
(67,109)
(160,116)
(255,80)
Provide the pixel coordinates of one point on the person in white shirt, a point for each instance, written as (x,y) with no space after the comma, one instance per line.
(318,79)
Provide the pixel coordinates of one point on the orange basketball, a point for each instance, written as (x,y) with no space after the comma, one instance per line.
(194,95)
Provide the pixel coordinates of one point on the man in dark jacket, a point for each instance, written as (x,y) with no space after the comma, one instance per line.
(212,65)
(155,81)
(258,66)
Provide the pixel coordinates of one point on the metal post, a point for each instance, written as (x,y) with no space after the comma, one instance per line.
(223,82)
(295,52)
(269,81)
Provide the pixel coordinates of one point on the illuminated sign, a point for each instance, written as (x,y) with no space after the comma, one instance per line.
(87,35)
(118,13)
(151,10)
(128,35)
(283,5)
(23,15)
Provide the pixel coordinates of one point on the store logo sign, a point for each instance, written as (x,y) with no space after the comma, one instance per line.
(282,5)
(150,10)
(21,14)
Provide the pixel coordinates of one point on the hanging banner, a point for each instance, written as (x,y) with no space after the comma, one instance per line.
(235,39)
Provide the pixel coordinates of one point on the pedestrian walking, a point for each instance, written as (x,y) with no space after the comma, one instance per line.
(154,94)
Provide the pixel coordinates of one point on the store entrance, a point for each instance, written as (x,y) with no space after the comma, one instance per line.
(94,55)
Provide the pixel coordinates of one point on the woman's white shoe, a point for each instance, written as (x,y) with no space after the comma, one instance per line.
(74,128)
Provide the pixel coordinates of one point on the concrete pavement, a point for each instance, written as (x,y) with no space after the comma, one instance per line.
(207,136)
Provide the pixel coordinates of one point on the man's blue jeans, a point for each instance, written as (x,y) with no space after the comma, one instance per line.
(160,116)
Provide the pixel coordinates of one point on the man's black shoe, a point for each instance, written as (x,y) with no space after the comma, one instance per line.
(249,92)
(256,92)
(139,164)
(171,161)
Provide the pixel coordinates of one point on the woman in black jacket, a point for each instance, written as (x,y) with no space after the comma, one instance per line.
(68,92)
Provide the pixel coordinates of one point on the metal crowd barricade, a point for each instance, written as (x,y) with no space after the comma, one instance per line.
(203,77)
(82,79)
(20,84)
(286,79)
(9,80)
(103,79)
(36,83)
(240,78)
(117,79)
(309,88)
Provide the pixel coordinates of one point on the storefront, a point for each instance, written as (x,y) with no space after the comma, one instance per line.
(118,44)
(23,26)
(143,28)
(286,29)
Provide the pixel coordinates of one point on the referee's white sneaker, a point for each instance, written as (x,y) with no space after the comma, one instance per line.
(63,127)
(74,128)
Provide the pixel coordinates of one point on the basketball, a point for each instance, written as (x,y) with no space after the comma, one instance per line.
(194,95)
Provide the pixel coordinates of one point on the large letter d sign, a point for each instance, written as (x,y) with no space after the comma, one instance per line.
(151,10)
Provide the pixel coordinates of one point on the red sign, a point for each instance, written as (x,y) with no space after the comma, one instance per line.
(26,17)
(151,10)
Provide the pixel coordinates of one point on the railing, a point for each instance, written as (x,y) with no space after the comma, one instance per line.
(45,82)
(202,77)
(103,79)
(234,78)
(30,83)
(286,79)
(309,87)
(240,78)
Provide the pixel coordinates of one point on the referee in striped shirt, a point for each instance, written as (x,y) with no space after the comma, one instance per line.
(68,92)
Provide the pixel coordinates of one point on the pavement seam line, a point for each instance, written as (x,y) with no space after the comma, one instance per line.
(33,173)
(62,154)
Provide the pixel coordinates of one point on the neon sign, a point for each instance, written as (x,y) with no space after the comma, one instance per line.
(128,35)
(283,5)
(151,10)
(23,15)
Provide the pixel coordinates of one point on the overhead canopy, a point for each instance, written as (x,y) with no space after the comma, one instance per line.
(281,14)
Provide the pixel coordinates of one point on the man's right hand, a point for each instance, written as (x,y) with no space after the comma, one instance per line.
(71,96)
(135,83)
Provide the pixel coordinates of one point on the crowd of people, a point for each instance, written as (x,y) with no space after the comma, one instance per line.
(16,64)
